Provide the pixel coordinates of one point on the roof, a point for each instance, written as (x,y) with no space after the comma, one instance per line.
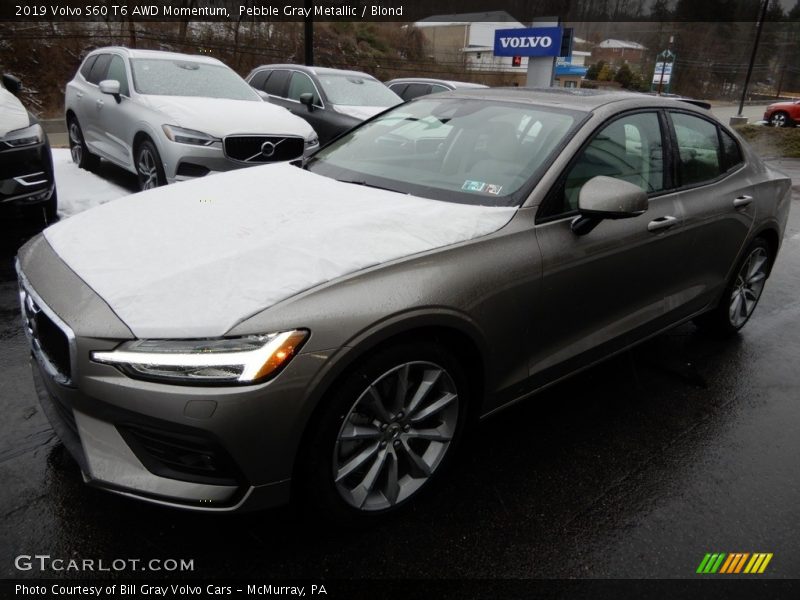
(158,54)
(316,70)
(448,82)
(611,43)
(495,16)
(570,98)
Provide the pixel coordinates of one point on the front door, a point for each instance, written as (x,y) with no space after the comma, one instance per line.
(602,290)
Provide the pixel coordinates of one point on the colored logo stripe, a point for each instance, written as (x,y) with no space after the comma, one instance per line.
(733,563)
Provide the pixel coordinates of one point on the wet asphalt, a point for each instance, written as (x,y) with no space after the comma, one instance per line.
(632,469)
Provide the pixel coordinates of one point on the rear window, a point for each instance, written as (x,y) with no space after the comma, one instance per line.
(698,149)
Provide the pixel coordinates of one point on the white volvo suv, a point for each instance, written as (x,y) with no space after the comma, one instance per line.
(168,116)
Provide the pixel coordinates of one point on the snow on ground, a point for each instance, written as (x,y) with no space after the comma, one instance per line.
(78,189)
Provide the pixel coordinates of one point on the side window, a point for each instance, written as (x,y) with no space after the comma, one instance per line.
(698,149)
(731,153)
(276,84)
(87,66)
(399,89)
(116,70)
(415,90)
(300,83)
(99,69)
(258,79)
(438,88)
(630,149)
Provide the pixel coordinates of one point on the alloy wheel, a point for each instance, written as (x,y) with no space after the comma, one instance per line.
(147,169)
(748,287)
(395,435)
(75,143)
(779,120)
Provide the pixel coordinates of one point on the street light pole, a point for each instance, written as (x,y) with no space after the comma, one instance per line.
(308,36)
(761,20)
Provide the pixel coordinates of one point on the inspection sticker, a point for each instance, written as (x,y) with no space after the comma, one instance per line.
(473,186)
(493,189)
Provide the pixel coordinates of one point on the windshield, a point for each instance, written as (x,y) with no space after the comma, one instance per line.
(162,77)
(354,90)
(470,151)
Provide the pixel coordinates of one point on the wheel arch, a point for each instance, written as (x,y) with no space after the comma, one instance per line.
(456,334)
(770,234)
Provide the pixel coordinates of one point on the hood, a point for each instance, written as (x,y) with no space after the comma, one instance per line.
(13,115)
(194,259)
(360,112)
(220,117)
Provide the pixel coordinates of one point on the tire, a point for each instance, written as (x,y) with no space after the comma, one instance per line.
(743,291)
(149,169)
(363,418)
(51,209)
(781,119)
(78,148)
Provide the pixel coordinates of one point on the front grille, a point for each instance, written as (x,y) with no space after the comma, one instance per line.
(263,148)
(186,456)
(46,336)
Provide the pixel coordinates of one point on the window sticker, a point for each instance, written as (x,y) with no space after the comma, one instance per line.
(473,186)
(493,189)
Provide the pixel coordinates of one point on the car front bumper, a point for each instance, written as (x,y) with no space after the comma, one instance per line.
(213,449)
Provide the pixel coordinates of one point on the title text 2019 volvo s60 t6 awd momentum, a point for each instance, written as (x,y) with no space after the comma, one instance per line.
(329,332)
(169,117)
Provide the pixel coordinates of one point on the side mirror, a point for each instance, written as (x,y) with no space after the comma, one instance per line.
(12,84)
(308,100)
(264,95)
(607,198)
(110,87)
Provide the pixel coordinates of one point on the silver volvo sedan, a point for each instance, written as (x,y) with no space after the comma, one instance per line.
(328,333)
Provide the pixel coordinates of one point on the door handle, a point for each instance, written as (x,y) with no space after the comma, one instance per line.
(79,94)
(661,223)
(742,201)
(100,104)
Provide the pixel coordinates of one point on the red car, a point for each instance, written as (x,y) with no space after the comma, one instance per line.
(783,114)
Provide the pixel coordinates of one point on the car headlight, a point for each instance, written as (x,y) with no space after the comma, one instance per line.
(242,360)
(312,141)
(188,136)
(28,136)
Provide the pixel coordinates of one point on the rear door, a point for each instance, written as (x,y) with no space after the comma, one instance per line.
(91,103)
(717,199)
(605,289)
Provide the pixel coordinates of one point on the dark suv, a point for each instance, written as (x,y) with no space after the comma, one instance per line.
(333,101)
(27,184)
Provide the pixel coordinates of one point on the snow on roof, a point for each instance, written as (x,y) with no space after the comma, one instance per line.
(621,44)
(496,16)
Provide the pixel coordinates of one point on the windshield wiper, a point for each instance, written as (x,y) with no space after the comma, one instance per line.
(365,184)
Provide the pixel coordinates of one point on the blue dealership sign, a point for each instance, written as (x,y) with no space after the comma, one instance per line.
(535,41)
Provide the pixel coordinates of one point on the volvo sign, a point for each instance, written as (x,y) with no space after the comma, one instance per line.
(537,41)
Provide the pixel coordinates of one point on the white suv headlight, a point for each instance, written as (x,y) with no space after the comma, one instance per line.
(243,360)
(188,136)
(28,136)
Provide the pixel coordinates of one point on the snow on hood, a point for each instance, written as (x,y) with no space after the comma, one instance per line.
(220,116)
(193,259)
(359,112)
(12,114)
